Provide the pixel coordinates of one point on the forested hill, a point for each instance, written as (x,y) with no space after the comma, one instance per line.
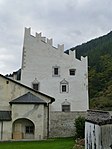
(99,52)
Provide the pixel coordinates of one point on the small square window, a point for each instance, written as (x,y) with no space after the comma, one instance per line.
(35,86)
(66,108)
(72,72)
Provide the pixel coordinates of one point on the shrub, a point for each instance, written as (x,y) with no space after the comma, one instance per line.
(80,127)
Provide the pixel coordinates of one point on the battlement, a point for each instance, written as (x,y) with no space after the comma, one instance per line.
(39,37)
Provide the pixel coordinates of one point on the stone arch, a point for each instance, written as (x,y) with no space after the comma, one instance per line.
(23,128)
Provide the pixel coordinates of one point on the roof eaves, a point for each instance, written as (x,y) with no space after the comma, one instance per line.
(52,99)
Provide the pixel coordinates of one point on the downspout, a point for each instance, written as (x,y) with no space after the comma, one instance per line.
(48,117)
(48,120)
(1,130)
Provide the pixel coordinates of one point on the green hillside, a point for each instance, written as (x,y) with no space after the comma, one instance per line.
(99,52)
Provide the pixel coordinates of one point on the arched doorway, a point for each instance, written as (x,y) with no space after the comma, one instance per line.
(23,129)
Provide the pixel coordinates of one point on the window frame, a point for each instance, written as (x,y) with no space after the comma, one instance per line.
(54,74)
(64,83)
(65,108)
(72,72)
(29,129)
(64,88)
(35,84)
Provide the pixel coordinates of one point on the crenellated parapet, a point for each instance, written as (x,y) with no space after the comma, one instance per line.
(39,37)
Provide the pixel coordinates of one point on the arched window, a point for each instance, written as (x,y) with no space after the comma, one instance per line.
(65,106)
(64,86)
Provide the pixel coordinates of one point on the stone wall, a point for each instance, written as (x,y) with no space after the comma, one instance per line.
(62,123)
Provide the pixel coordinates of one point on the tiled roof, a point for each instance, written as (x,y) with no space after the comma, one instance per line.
(5,115)
(28,98)
(98,117)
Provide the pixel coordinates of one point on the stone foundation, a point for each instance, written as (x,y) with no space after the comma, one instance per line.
(62,123)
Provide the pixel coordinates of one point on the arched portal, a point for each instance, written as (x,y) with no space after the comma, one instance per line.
(23,129)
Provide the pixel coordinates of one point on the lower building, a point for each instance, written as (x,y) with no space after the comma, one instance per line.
(24,112)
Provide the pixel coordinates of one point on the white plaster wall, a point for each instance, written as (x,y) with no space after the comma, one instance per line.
(38,59)
(6,129)
(35,113)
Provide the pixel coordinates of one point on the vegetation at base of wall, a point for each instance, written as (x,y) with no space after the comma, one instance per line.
(65,143)
(99,52)
(80,127)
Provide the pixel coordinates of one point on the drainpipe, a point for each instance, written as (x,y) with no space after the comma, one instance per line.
(48,120)
(1,130)
(48,112)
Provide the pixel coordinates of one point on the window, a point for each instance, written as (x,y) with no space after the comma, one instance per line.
(64,87)
(56,71)
(29,129)
(72,72)
(65,106)
(35,84)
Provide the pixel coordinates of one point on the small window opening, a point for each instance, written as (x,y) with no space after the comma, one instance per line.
(72,72)
(63,88)
(35,86)
(56,71)
(7,82)
(29,129)
(65,108)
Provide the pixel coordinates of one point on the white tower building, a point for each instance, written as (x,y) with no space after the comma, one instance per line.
(53,72)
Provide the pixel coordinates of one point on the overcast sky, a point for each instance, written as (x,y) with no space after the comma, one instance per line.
(68,22)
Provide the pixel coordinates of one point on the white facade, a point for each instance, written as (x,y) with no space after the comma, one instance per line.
(40,59)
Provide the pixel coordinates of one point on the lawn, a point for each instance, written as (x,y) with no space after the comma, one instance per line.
(67,143)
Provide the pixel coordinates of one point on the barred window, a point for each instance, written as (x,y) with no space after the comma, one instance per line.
(56,71)
(64,86)
(65,106)
(35,84)
(29,129)
(72,72)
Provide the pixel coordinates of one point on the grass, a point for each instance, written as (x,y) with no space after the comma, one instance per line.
(66,143)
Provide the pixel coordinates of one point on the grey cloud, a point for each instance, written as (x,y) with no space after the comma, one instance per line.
(69,21)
